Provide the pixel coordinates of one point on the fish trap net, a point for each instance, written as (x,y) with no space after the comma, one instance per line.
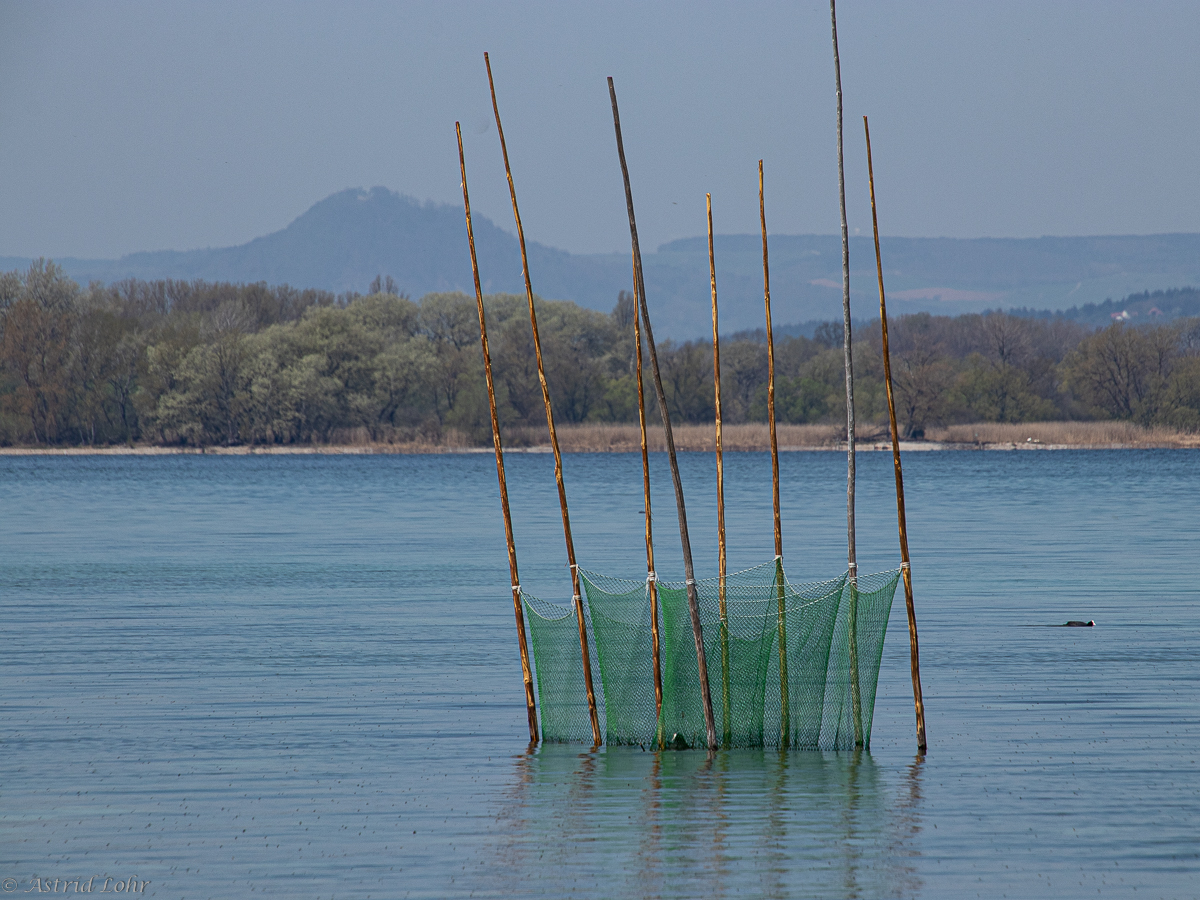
(789,664)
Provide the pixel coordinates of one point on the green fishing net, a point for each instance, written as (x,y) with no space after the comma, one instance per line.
(818,693)
(562,696)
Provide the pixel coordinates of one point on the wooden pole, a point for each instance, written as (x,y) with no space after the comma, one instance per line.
(526,670)
(784,696)
(558,475)
(689,573)
(852,563)
(651,575)
(905,569)
(726,728)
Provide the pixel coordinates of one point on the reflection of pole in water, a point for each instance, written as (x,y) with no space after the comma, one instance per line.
(583,784)
(517,818)
(908,826)
(649,849)
(850,848)
(816,824)
(911,803)
(717,767)
(775,835)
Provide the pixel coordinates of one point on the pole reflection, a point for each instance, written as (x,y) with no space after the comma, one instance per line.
(623,822)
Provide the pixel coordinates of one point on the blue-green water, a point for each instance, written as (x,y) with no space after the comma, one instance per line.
(297,676)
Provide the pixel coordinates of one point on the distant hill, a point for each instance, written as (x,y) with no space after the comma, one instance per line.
(1147,307)
(349,238)
(339,244)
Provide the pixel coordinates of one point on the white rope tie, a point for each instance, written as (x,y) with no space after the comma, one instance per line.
(905,567)
(691,582)
(516,588)
(852,569)
(778,558)
(651,576)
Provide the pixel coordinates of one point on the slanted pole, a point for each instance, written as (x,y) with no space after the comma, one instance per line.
(526,670)
(651,576)
(558,474)
(726,729)
(689,573)
(784,697)
(905,570)
(852,563)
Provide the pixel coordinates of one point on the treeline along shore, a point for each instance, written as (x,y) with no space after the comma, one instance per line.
(193,365)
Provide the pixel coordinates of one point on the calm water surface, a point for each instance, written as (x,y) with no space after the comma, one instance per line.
(298,677)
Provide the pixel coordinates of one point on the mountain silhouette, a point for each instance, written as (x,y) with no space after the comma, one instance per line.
(344,241)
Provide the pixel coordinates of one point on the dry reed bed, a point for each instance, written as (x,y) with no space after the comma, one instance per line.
(1064,434)
(599,438)
(621,438)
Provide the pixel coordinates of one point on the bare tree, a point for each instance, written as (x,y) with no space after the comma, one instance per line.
(1123,371)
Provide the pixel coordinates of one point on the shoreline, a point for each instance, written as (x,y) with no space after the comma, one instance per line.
(419,450)
(754,438)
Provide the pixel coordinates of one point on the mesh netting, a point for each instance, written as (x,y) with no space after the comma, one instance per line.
(562,697)
(620,614)
(806,696)
(863,612)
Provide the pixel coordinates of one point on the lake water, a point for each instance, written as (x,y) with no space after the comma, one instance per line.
(297,676)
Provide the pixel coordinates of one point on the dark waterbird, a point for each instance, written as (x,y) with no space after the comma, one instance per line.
(1075,623)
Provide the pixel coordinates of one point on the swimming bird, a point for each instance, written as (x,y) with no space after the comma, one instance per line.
(1074,623)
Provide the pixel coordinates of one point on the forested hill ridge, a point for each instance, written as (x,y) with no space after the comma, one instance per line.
(1148,307)
(193,363)
(346,240)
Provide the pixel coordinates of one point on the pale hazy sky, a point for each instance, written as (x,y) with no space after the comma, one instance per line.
(129,126)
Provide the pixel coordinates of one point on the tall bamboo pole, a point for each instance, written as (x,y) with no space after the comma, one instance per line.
(784,696)
(726,729)
(905,569)
(689,573)
(558,475)
(651,575)
(526,671)
(852,563)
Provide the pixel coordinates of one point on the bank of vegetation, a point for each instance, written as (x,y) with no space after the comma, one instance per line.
(201,364)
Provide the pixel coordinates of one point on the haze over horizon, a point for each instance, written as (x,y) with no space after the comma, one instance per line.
(135,126)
